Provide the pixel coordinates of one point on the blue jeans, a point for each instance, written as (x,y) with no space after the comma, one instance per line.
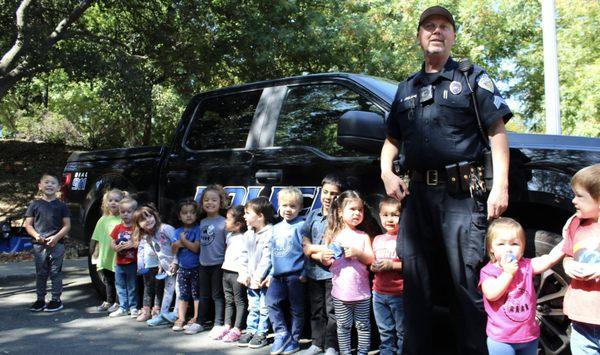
(585,338)
(258,313)
(125,281)
(389,314)
(286,288)
(499,348)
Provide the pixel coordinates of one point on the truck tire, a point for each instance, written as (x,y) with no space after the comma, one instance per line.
(551,286)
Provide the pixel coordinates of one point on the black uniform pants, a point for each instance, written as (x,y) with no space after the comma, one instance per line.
(441,241)
(322,315)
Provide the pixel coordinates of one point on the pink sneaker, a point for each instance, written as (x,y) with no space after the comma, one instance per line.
(218,331)
(232,336)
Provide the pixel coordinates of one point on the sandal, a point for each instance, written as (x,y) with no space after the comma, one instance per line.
(178,326)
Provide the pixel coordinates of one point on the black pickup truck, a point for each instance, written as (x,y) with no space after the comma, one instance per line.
(256,138)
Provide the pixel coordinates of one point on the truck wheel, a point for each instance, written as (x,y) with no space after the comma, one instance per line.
(95,277)
(551,286)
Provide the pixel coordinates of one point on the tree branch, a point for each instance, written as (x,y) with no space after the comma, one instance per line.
(9,57)
(62,26)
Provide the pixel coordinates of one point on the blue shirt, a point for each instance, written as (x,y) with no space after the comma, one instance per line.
(187,258)
(286,248)
(314,228)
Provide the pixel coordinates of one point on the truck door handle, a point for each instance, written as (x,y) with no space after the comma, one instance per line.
(268,176)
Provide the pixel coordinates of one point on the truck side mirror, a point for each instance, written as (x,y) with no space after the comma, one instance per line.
(361,130)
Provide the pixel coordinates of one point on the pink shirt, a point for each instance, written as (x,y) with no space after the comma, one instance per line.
(511,319)
(350,277)
(387,282)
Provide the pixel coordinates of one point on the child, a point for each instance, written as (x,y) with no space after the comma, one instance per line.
(286,279)
(47,221)
(351,256)
(154,242)
(255,266)
(388,284)
(212,253)
(509,296)
(126,262)
(187,248)
(322,317)
(103,252)
(236,297)
(582,262)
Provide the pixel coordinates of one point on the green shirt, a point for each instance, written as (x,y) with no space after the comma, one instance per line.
(106,255)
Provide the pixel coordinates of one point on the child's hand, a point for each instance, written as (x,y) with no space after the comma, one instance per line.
(127,245)
(509,265)
(350,252)
(266,282)
(177,244)
(255,284)
(326,257)
(243,280)
(51,241)
(381,265)
(182,236)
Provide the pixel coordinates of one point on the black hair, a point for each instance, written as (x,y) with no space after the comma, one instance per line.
(262,205)
(53,175)
(188,201)
(334,179)
(237,212)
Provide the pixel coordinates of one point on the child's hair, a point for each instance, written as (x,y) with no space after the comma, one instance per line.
(106,197)
(291,192)
(186,202)
(499,226)
(138,216)
(589,179)
(237,212)
(334,179)
(334,220)
(262,205)
(390,201)
(52,175)
(129,201)
(223,200)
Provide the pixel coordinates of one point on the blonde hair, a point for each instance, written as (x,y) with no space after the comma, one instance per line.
(292,193)
(335,223)
(128,201)
(106,197)
(502,225)
(140,215)
(589,179)
(390,201)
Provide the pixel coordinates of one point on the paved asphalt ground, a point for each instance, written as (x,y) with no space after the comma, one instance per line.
(78,328)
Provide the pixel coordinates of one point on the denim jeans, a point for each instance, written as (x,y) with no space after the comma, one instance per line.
(389,314)
(282,289)
(499,348)
(258,313)
(585,338)
(48,263)
(125,280)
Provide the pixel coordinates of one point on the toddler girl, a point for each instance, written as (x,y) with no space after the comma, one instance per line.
(212,253)
(104,255)
(352,253)
(235,293)
(509,296)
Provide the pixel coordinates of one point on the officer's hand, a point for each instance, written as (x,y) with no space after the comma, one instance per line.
(395,187)
(497,202)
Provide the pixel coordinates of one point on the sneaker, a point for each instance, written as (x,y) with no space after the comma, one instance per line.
(258,341)
(171,317)
(292,347)
(118,313)
(134,312)
(38,306)
(245,339)
(103,307)
(53,306)
(313,350)
(218,332)
(157,321)
(177,326)
(232,335)
(144,315)
(331,351)
(189,323)
(113,308)
(193,329)
(279,344)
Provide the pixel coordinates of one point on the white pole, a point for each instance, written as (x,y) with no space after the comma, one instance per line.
(551,84)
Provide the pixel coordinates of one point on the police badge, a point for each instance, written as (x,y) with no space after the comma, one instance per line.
(455,87)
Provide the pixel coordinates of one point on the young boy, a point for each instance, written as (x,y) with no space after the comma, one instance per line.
(287,274)
(388,284)
(255,266)
(322,317)
(582,262)
(47,221)
(126,261)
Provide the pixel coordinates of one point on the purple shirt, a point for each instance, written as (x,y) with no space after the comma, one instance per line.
(350,276)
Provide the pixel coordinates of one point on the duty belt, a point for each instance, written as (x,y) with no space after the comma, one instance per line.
(461,177)
(431,177)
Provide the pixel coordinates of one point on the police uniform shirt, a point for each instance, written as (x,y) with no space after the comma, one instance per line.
(443,129)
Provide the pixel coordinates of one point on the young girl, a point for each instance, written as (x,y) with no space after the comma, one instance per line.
(235,293)
(187,248)
(156,258)
(352,254)
(509,296)
(103,254)
(212,253)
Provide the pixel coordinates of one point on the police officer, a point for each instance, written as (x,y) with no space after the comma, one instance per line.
(444,219)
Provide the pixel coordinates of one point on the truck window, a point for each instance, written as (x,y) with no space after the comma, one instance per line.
(222,122)
(310,114)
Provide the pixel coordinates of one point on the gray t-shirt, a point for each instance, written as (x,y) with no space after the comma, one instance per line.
(212,241)
(47,216)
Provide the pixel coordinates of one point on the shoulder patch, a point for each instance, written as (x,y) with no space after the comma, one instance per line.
(498,101)
(486,83)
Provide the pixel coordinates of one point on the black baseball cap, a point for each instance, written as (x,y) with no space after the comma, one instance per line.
(437,10)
